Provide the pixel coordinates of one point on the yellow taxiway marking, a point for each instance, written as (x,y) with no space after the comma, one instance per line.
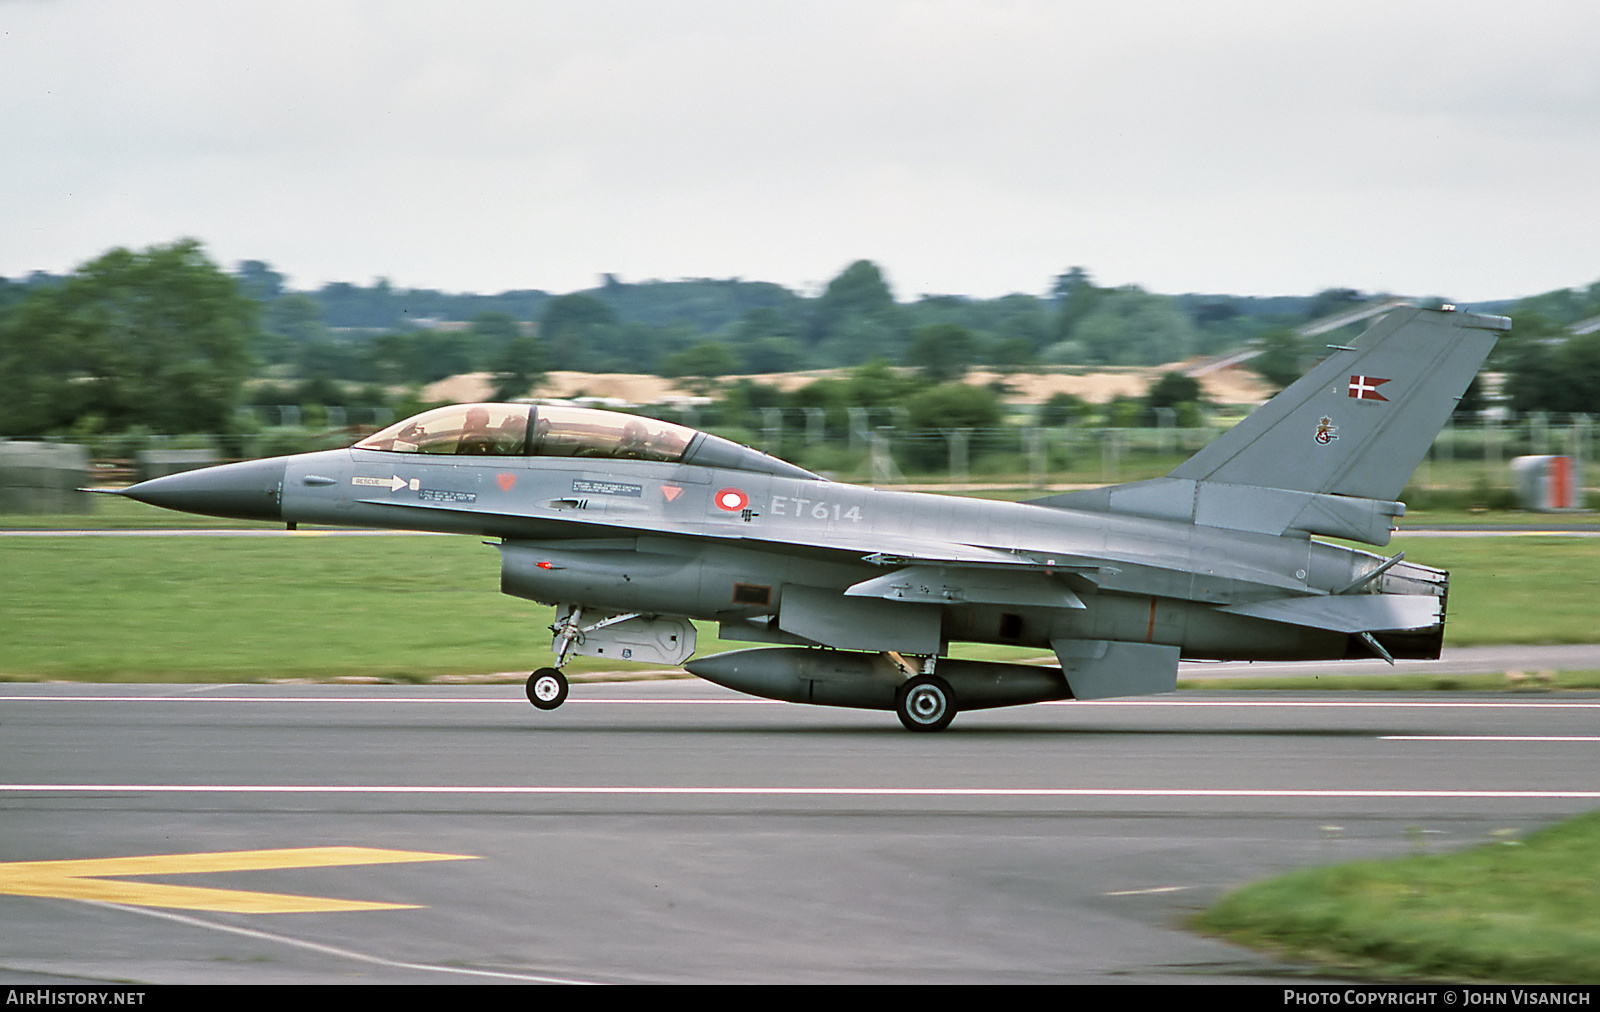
(92,879)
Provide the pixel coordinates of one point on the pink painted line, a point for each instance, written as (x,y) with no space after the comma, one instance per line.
(1489,737)
(891,792)
(517,700)
(642,700)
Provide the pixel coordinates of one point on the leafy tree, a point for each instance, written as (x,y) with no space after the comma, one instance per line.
(763,322)
(333,359)
(707,359)
(639,347)
(1176,391)
(942,352)
(291,320)
(860,339)
(375,307)
(1283,357)
(773,354)
(1065,353)
(1122,411)
(1011,354)
(1063,408)
(1132,327)
(856,318)
(1332,300)
(491,331)
(1559,376)
(954,406)
(258,280)
(1075,297)
(319,390)
(572,327)
(875,385)
(769,341)
(159,338)
(742,403)
(1069,282)
(1172,389)
(518,367)
(859,290)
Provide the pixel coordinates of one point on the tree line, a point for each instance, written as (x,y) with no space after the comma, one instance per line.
(165,339)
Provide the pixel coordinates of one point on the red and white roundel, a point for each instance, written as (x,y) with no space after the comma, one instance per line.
(731,499)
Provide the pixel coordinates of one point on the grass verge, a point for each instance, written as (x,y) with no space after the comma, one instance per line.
(1507,681)
(412,609)
(1515,910)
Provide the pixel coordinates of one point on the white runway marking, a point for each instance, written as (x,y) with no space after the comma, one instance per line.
(330,950)
(1559,532)
(1489,737)
(885,792)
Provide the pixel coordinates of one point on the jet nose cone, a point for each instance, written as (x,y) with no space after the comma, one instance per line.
(251,490)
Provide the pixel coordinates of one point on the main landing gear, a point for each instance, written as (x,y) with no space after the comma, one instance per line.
(924,701)
(547,688)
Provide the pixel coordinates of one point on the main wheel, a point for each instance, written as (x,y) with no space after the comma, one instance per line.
(925,703)
(547,688)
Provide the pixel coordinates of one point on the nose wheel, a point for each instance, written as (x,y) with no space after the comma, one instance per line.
(547,688)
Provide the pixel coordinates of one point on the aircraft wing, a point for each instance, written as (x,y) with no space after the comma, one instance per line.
(1014,576)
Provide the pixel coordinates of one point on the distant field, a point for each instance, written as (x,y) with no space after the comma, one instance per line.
(309,606)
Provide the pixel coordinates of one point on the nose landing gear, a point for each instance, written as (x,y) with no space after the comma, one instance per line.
(547,688)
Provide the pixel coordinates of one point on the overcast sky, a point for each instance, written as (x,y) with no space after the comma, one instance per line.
(1255,148)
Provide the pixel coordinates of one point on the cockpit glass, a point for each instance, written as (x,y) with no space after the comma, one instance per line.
(555,431)
(470,429)
(585,432)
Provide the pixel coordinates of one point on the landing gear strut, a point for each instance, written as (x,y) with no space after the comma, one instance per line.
(547,688)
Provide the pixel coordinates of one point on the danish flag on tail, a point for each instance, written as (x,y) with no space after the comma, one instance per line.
(1389,392)
(1365,388)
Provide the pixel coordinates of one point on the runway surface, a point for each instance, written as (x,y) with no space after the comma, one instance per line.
(675,832)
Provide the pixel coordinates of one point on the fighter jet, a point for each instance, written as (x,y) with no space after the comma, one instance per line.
(632,527)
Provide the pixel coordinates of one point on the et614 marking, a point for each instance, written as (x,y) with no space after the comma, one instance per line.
(813,509)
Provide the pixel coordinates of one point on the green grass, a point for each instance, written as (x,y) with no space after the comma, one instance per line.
(230,609)
(1533,589)
(244,609)
(1541,681)
(1511,910)
(112,512)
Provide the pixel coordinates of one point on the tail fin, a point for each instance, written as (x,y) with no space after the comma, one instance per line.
(1360,422)
(1331,453)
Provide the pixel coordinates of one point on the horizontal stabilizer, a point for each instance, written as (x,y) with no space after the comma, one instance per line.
(1353,613)
(1239,508)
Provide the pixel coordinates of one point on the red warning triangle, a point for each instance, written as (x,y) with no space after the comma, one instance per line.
(670,491)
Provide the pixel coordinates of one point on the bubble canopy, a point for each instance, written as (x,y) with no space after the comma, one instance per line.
(555,430)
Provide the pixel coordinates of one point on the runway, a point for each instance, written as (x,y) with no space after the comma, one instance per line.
(675,832)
